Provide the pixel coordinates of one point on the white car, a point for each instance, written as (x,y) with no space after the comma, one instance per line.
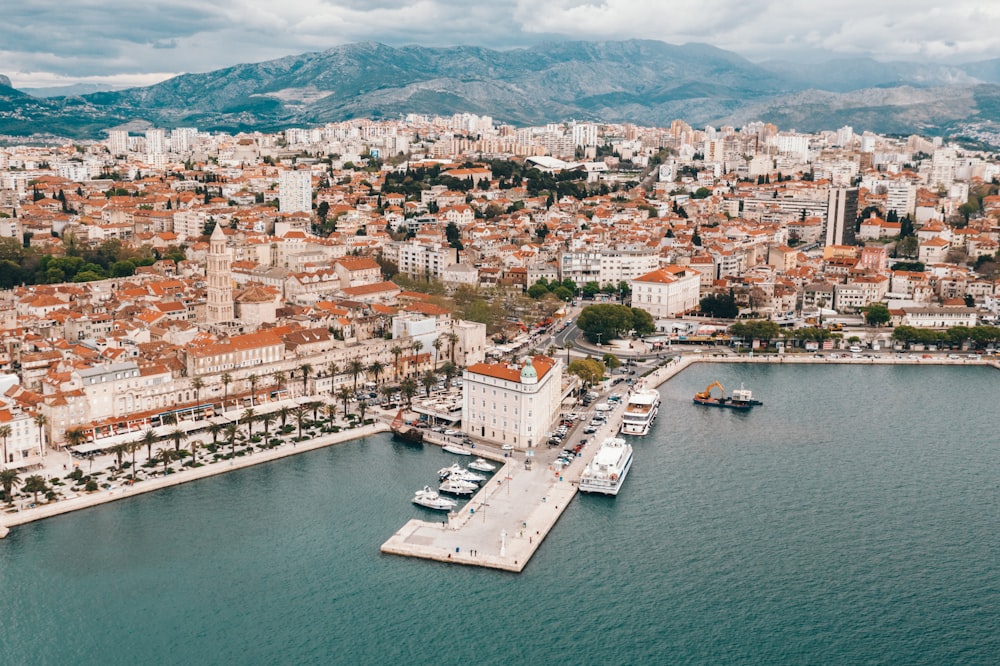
(507,447)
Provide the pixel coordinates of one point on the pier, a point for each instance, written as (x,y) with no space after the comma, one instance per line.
(503,524)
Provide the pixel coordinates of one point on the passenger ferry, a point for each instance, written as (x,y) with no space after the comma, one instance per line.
(640,411)
(608,469)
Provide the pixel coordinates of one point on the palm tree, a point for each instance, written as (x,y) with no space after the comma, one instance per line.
(362,408)
(177,435)
(415,348)
(332,369)
(248,417)
(226,379)
(345,394)
(197,384)
(355,368)
(306,368)
(214,429)
(169,419)
(375,369)
(283,414)
(34,484)
(231,430)
(166,455)
(408,389)
(567,346)
(279,378)
(267,419)
(428,379)
(300,415)
(119,450)
(5,432)
(387,391)
(331,411)
(452,341)
(449,370)
(132,448)
(41,421)
(74,437)
(148,439)
(195,443)
(9,479)
(437,350)
(314,405)
(253,388)
(396,352)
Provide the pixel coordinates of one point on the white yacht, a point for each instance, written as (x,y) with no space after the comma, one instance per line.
(482,465)
(608,469)
(640,411)
(458,472)
(431,500)
(458,487)
(458,451)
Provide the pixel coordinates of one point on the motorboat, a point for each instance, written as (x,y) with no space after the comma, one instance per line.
(482,465)
(431,500)
(458,487)
(457,450)
(458,472)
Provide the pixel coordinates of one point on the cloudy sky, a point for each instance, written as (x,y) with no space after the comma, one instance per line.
(139,42)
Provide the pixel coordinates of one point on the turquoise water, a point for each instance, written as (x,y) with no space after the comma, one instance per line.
(851,519)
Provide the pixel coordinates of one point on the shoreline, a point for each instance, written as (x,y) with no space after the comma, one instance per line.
(98,497)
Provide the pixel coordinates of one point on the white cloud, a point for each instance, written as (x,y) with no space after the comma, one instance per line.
(83,39)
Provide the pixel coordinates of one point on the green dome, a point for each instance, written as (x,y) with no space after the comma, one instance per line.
(528,373)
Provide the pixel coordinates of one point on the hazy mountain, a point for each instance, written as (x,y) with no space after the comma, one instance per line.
(68,91)
(646,82)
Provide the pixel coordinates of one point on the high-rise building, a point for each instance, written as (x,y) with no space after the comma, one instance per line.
(156,141)
(841,216)
(295,192)
(118,142)
(219,307)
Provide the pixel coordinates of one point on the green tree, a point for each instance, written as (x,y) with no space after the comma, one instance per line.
(611,361)
(35,484)
(604,322)
(719,305)
(642,322)
(9,479)
(590,371)
(877,314)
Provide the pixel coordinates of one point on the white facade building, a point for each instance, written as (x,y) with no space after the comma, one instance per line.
(295,192)
(667,291)
(510,404)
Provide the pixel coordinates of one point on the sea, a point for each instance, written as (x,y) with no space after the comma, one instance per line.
(851,519)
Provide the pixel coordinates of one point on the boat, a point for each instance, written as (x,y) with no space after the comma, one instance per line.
(458,472)
(742,398)
(457,487)
(429,499)
(405,432)
(458,451)
(640,411)
(607,470)
(482,465)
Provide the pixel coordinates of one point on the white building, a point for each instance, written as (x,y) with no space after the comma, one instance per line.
(508,404)
(667,291)
(607,267)
(295,192)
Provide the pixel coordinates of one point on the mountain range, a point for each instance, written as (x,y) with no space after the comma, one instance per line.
(640,81)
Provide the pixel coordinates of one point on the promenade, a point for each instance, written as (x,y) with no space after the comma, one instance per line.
(86,500)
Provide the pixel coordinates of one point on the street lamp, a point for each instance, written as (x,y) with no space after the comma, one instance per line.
(598,338)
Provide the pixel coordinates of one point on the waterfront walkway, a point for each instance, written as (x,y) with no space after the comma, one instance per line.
(85,500)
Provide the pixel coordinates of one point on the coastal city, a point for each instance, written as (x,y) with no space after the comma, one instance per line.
(182,287)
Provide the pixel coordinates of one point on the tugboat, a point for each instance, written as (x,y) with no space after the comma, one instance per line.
(742,398)
(404,432)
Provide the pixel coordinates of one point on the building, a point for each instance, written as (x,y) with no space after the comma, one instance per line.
(295,192)
(667,291)
(841,216)
(504,403)
(607,267)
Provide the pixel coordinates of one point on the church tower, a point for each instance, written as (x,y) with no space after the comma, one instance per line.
(220,286)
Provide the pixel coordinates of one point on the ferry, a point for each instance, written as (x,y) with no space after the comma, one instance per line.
(640,411)
(608,469)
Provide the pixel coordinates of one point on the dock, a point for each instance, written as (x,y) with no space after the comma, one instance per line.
(503,524)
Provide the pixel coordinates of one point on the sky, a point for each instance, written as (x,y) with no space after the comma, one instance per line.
(140,42)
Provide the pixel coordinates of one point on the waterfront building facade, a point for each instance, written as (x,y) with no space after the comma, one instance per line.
(505,403)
